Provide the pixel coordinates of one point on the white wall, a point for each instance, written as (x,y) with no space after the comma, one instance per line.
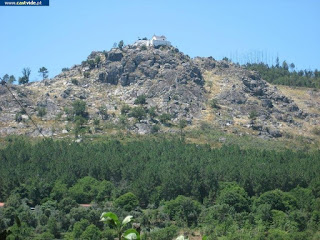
(160,42)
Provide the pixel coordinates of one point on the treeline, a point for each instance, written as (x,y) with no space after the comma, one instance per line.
(43,72)
(165,184)
(285,74)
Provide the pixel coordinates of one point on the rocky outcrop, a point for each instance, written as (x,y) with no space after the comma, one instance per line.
(172,83)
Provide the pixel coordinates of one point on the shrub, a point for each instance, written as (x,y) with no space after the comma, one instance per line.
(164,118)
(88,188)
(152,112)
(140,100)
(125,109)
(91,233)
(79,108)
(138,113)
(18,117)
(65,69)
(75,81)
(41,111)
(96,122)
(144,47)
(253,115)
(184,210)
(86,74)
(214,104)
(103,112)
(97,60)
(236,197)
(91,63)
(123,120)
(278,200)
(127,201)
(316,131)
(165,233)
(155,128)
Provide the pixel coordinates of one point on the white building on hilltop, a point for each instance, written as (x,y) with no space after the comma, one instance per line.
(155,42)
(159,40)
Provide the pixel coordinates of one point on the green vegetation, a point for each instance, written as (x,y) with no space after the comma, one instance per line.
(78,115)
(214,104)
(286,74)
(8,79)
(120,44)
(25,76)
(138,112)
(144,47)
(253,115)
(165,184)
(86,74)
(97,60)
(43,72)
(75,81)
(125,109)
(113,220)
(41,111)
(141,99)
(164,118)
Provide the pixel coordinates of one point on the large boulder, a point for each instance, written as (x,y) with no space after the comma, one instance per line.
(115,56)
(114,72)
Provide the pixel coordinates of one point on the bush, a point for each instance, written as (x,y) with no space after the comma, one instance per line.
(127,201)
(109,234)
(75,81)
(97,60)
(138,113)
(86,74)
(278,200)
(96,122)
(79,228)
(88,188)
(316,131)
(165,233)
(41,111)
(91,63)
(140,100)
(164,118)
(253,115)
(103,112)
(236,197)
(125,109)
(144,47)
(214,104)
(79,108)
(152,112)
(155,128)
(184,210)
(18,117)
(91,233)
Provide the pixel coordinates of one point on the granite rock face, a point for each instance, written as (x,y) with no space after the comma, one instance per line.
(172,83)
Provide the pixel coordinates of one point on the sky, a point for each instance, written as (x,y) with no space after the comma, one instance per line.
(66,32)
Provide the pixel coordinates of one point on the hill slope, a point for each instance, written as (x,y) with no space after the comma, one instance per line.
(200,90)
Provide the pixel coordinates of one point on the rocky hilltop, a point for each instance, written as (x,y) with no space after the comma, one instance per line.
(171,86)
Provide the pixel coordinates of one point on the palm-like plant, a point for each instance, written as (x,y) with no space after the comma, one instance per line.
(113,220)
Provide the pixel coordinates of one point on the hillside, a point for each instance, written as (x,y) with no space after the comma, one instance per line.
(171,87)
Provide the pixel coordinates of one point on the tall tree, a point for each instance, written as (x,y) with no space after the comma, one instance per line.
(43,72)
(120,45)
(285,65)
(277,62)
(25,76)
(5,78)
(12,79)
